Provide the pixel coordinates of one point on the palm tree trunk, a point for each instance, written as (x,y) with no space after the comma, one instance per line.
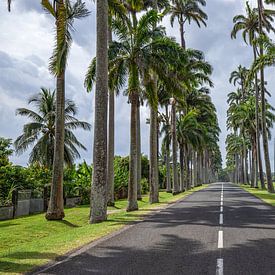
(167,160)
(56,205)
(182,168)
(265,137)
(182,39)
(191,168)
(139,191)
(111,150)
(154,173)
(186,185)
(134,100)
(195,173)
(174,149)
(258,160)
(111,142)
(99,184)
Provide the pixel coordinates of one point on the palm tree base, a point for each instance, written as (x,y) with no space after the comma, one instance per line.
(55,216)
(132,207)
(169,191)
(176,193)
(97,219)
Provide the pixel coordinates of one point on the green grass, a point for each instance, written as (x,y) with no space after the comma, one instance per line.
(261,194)
(32,241)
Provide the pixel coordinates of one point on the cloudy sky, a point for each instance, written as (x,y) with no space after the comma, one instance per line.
(26,36)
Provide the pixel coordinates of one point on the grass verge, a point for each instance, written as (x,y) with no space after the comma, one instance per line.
(261,194)
(31,241)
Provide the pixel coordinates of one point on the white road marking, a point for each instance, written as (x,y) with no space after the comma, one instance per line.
(221,202)
(221,210)
(219,268)
(220,239)
(221,219)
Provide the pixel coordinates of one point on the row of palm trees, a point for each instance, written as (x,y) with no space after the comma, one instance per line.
(250,116)
(150,68)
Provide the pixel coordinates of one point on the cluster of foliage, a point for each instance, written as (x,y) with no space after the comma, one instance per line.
(77,178)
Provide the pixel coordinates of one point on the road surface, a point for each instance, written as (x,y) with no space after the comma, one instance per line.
(219,230)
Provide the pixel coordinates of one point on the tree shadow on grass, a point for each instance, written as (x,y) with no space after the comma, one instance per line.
(7,224)
(15,262)
(68,223)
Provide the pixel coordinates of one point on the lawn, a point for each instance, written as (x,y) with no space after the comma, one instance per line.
(32,241)
(261,194)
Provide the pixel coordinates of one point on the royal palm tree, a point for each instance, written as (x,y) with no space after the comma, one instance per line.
(64,14)
(187,11)
(40,133)
(263,102)
(116,9)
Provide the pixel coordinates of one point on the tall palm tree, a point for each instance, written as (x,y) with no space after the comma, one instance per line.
(263,104)
(116,9)
(187,11)
(64,14)
(41,131)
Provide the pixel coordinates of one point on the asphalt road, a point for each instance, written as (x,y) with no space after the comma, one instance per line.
(219,230)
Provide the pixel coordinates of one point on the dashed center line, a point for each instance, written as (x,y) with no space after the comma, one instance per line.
(221,219)
(219,267)
(220,239)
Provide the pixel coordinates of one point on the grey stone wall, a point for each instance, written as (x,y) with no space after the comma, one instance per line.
(36,205)
(6,213)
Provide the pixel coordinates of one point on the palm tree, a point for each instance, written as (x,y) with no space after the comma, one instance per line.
(116,9)
(187,11)
(41,131)
(64,14)
(263,104)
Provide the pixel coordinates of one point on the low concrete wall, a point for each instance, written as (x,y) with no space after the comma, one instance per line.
(23,208)
(36,205)
(6,213)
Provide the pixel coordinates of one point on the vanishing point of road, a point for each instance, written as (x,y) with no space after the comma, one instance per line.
(221,229)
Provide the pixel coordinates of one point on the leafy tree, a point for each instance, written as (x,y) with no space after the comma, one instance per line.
(5,151)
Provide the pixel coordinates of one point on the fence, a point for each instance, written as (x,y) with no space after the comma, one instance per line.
(24,204)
